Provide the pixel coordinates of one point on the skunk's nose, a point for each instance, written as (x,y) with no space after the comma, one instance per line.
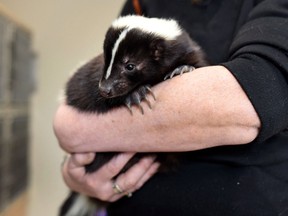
(105,90)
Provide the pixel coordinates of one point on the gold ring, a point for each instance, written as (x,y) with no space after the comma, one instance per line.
(116,188)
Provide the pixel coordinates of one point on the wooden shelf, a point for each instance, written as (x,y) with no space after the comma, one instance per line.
(8,14)
(18,207)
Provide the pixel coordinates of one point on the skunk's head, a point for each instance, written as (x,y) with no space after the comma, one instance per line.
(133,48)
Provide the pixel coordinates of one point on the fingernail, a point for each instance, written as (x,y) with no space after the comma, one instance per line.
(84,157)
(153,157)
(90,156)
(156,166)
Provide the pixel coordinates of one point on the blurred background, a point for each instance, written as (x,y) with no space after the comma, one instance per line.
(41,43)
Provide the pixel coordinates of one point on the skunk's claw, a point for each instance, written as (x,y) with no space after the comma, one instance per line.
(148,102)
(148,88)
(128,105)
(137,96)
(179,71)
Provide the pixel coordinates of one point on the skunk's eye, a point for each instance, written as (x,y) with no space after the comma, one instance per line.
(130,67)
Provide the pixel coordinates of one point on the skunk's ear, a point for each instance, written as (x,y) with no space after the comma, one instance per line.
(157,48)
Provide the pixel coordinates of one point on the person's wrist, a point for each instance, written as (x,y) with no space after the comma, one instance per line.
(64,126)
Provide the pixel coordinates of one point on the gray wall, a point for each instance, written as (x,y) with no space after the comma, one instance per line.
(65,33)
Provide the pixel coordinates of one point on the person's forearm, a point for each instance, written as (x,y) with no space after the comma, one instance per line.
(198,110)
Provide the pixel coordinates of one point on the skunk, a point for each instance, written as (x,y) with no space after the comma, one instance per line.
(139,52)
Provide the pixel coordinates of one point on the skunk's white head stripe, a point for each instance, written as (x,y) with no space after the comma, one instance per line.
(115,48)
(166,28)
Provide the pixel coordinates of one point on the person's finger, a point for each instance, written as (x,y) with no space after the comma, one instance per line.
(115,165)
(72,174)
(130,178)
(81,159)
(128,181)
(151,171)
(100,182)
(73,169)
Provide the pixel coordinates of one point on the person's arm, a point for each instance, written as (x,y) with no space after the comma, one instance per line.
(258,62)
(201,109)
(204,108)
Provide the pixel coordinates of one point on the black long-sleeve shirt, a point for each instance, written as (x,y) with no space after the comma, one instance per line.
(250,38)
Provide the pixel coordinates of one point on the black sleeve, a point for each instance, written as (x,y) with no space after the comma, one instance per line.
(129,9)
(259,61)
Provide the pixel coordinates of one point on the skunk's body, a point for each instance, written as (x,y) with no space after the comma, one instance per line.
(138,52)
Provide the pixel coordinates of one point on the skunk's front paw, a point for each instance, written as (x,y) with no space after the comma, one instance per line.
(179,71)
(137,96)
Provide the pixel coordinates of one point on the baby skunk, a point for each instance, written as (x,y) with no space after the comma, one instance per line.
(139,52)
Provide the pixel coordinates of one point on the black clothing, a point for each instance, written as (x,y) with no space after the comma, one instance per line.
(250,38)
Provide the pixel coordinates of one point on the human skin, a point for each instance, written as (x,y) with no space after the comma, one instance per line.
(198,110)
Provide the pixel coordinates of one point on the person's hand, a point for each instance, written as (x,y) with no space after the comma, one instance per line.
(100,184)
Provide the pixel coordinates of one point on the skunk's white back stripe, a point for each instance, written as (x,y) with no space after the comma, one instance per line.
(81,206)
(114,50)
(166,28)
